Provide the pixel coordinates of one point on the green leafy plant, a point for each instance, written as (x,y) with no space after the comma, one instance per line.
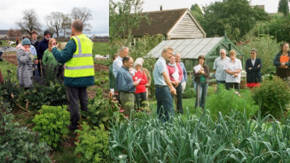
(189,93)
(273,96)
(188,138)
(19,144)
(39,95)
(102,111)
(92,144)
(9,91)
(52,124)
(225,101)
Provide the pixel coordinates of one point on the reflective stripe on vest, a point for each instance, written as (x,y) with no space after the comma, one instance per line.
(81,64)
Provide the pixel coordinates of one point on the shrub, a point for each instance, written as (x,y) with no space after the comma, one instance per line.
(225,101)
(39,95)
(102,111)
(52,124)
(273,96)
(92,144)
(188,93)
(19,144)
(9,91)
(278,26)
(203,139)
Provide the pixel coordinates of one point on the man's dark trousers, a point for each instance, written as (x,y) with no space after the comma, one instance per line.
(164,103)
(179,99)
(77,96)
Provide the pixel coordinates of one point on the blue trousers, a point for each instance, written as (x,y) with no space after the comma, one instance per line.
(164,103)
(201,93)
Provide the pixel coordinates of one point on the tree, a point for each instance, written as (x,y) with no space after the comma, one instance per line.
(29,22)
(66,24)
(197,12)
(233,17)
(283,7)
(54,21)
(125,15)
(84,14)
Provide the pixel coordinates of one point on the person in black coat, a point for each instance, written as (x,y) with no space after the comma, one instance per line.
(253,69)
(42,46)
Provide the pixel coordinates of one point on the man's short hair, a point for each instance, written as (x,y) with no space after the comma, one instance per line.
(126,59)
(78,25)
(165,50)
(223,50)
(122,48)
(47,32)
(201,57)
(254,50)
(34,32)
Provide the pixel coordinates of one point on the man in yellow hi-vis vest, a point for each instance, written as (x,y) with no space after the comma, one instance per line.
(78,70)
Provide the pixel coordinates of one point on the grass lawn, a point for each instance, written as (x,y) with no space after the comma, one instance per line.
(4,66)
(101,48)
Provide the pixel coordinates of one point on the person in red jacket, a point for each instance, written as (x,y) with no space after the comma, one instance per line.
(140,75)
(176,74)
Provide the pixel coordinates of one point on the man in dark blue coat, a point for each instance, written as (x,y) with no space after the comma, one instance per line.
(42,46)
(253,69)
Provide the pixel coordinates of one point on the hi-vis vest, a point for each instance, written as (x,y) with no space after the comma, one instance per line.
(82,63)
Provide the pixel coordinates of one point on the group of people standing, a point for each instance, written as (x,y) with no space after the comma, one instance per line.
(170,76)
(130,81)
(74,65)
(35,60)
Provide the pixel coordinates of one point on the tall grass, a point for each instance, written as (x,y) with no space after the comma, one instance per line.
(188,138)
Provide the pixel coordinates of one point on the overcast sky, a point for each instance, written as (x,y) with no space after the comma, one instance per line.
(11,12)
(271,6)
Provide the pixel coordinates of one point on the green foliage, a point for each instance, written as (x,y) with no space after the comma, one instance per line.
(19,144)
(273,96)
(267,47)
(52,124)
(144,44)
(101,48)
(197,12)
(233,138)
(92,145)
(188,93)
(283,7)
(225,101)
(221,17)
(8,71)
(122,21)
(9,91)
(102,111)
(278,27)
(39,95)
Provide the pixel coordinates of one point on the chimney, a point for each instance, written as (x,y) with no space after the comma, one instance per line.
(161,8)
